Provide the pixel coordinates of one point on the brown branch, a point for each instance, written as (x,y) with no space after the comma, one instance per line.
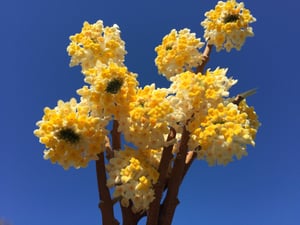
(240,97)
(116,136)
(166,158)
(129,217)
(106,203)
(190,157)
(171,200)
(206,53)
(237,100)
(109,151)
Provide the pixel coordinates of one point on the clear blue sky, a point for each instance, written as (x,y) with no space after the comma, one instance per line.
(261,189)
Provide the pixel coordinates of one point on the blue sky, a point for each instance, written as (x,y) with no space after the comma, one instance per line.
(261,189)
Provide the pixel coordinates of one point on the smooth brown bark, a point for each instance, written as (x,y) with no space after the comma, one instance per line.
(167,156)
(171,201)
(106,203)
(190,157)
(130,218)
(116,136)
(206,54)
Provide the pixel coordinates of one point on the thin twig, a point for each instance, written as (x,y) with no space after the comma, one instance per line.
(240,97)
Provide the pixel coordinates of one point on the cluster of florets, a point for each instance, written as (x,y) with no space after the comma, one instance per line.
(146,123)
(96,43)
(178,52)
(111,88)
(228,25)
(133,174)
(72,137)
(224,133)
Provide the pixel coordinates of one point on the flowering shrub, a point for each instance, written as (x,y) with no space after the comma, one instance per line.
(167,128)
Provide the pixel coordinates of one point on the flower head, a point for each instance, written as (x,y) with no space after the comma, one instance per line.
(146,125)
(224,133)
(111,85)
(178,52)
(227,26)
(133,174)
(96,43)
(72,137)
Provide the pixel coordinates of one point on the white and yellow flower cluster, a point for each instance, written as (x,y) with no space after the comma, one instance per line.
(228,25)
(112,88)
(96,43)
(224,133)
(133,174)
(72,137)
(178,52)
(146,124)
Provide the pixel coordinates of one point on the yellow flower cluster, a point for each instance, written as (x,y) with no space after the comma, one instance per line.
(146,124)
(96,43)
(224,133)
(178,52)
(194,94)
(133,174)
(227,26)
(72,137)
(111,85)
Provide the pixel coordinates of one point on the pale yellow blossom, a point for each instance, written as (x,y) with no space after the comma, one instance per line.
(96,43)
(72,137)
(112,87)
(133,174)
(228,25)
(146,124)
(178,52)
